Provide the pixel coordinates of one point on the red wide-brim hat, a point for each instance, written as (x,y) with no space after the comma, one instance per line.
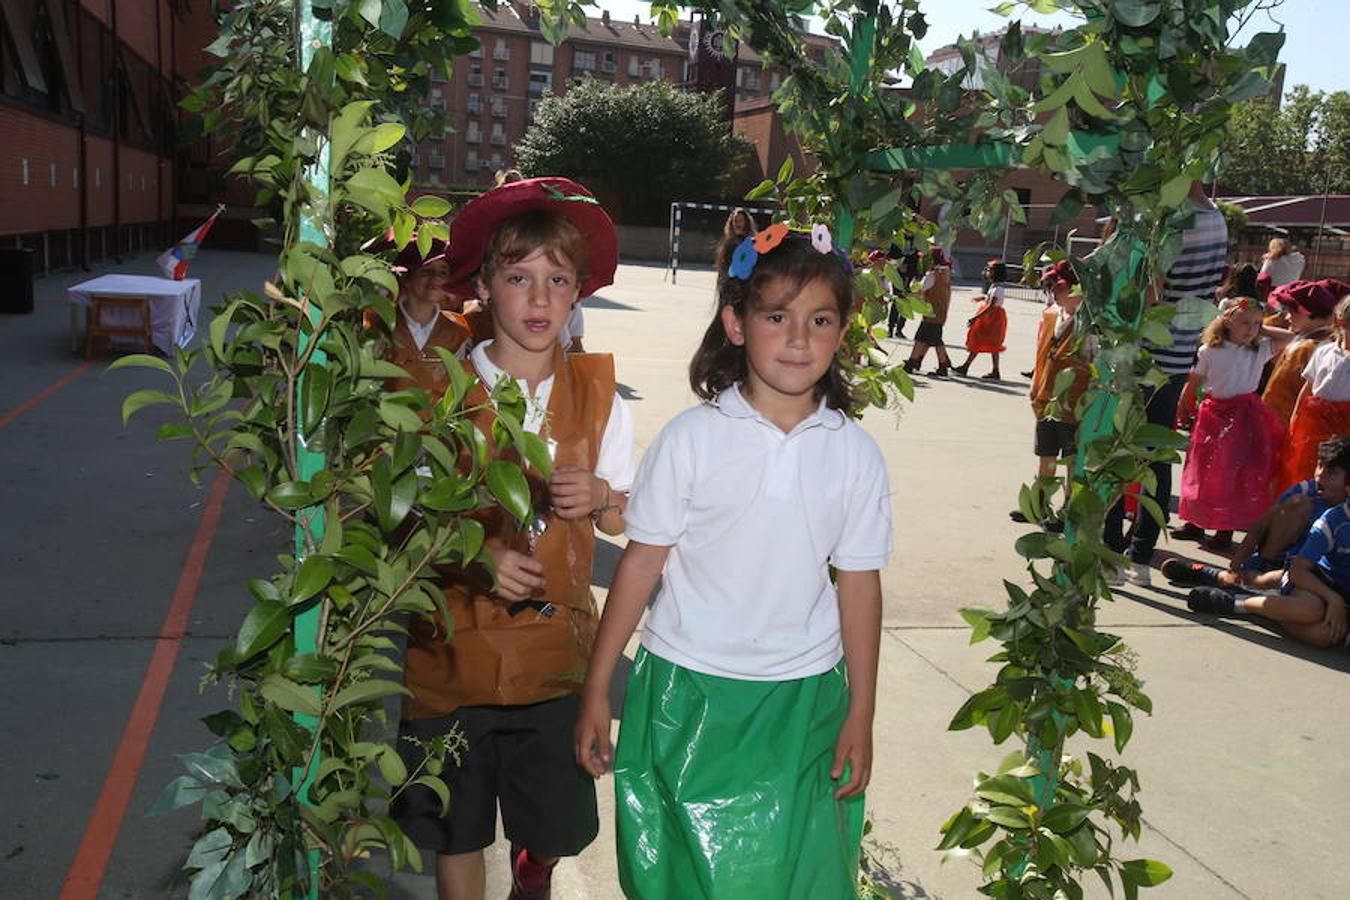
(479,219)
(1315,298)
(409,259)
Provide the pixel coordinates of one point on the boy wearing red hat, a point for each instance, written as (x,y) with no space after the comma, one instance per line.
(424,321)
(1308,306)
(506,672)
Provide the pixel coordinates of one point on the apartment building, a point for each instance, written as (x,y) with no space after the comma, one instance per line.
(493,95)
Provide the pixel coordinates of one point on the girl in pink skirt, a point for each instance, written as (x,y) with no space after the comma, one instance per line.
(1236,437)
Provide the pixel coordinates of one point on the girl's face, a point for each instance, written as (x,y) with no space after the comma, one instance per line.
(1244,326)
(740,225)
(790,340)
(530,300)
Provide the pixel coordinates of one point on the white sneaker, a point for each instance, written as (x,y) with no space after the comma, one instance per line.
(1114,577)
(1137,573)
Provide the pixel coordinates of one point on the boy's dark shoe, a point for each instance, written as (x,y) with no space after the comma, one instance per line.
(1028,374)
(940,372)
(910,367)
(529,880)
(1221,542)
(963,371)
(1180,571)
(1212,600)
(992,376)
(1188,532)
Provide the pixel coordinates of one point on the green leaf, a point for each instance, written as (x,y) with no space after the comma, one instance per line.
(763,189)
(1088,710)
(143,361)
(1064,817)
(290,696)
(1174,191)
(438,787)
(536,453)
(785,170)
(313,576)
(291,494)
(263,625)
(210,848)
(392,767)
(1145,872)
(429,206)
(364,692)
(509,488)
(139,400)
(1008,817)
(308,668)
(1122,723)
(180,792)
(1135,13)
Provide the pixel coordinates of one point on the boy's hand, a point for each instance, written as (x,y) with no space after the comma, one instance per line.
(593,749)
(854,747)
(1334,619)
(575,492)
(518,576)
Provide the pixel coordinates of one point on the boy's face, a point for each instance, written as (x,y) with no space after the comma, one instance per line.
(1331,483)
(1298,317)
(530,300)
(426,284)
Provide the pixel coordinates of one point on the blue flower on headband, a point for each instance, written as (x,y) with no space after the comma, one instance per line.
(743,260)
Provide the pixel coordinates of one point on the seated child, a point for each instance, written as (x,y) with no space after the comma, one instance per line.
(1311,605)
(508,672)
(1261,558)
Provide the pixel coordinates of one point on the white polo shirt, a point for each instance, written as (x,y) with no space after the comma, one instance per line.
(614,463)
(753,518)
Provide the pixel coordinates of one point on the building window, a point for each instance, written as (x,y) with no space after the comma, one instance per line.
(498,136)
(476,52)
(473,133)
(499,80)
(438,99)
(650,68)
(583,61)
(498,108)
(475,76)
(608,63)
(475,104)
(540,82)
(541,53)
(435,160)
(471,161)
(775,80)
(633,65)
(501,51)
(496,160)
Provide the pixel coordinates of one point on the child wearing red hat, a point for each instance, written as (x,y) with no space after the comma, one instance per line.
(506,670)
(1307,307)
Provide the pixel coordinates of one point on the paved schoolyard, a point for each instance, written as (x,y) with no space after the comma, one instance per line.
(1243,762)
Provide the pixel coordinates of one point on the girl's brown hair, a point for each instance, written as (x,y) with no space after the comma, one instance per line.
(1340,315)
(519,236)
(718,363)
(1216,332)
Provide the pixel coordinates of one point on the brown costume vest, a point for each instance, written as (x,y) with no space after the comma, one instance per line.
(939,296)
(1053,355)
(1286,375)
(494,657)
(425,366)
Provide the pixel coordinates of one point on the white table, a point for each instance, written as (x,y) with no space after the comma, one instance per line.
(173,306)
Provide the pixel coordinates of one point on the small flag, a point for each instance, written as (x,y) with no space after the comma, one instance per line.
(174,261)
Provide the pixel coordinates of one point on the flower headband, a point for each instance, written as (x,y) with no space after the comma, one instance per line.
(1239,304)
(749,251)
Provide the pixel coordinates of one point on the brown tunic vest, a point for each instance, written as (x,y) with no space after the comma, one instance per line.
(492,656)
(425,366)
(1286,375)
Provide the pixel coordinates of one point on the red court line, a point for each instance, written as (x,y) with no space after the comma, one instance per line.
(100,834)
(46,392)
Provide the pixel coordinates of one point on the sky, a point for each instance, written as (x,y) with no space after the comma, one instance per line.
(1312,51)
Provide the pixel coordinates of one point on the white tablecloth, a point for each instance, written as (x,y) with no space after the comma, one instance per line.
(173,304)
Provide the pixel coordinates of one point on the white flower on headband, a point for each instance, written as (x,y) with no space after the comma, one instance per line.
(820,238)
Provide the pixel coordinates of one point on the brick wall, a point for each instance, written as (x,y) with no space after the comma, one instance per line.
(37,144)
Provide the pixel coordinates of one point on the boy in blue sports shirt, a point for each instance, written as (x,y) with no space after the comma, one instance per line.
(1311,605)
(1260,560)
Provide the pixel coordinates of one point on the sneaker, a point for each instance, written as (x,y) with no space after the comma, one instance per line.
(940,372)
(529,880)
(1179,571)
(1137,574)
(1114,577)
(1212,600)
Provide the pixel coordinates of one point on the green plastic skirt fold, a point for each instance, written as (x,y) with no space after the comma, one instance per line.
(723,788)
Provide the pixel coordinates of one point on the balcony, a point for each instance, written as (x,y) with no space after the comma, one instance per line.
(475,79)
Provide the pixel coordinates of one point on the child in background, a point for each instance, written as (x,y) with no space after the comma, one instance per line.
(424,321)
(937,290)
(1307,307)
(1235,441)
(1311,605)
(989,325)
(1259,561)
(1323,407)
(508,671)
(1058,349)
(746,740)
(738,226)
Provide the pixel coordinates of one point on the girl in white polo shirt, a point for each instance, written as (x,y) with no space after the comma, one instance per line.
(746,739)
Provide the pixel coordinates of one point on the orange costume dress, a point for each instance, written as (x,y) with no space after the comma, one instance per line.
(1286,374)
(1315,419)
(502,653)
(989,325)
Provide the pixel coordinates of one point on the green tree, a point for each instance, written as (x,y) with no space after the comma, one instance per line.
(637,147)
(1299,147)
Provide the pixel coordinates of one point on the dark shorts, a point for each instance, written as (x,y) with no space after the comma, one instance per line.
(1287,585)
(1054,438)
(518,757)
(929,333)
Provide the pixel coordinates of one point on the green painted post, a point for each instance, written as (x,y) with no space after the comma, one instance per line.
(314,34)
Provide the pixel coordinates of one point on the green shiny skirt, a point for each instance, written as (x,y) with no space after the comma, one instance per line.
(723,788)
